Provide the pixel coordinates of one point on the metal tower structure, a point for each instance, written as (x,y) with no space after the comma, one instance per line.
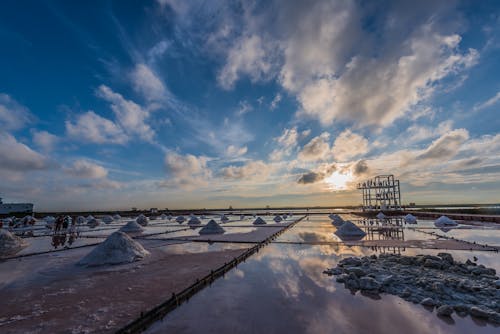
(381,193)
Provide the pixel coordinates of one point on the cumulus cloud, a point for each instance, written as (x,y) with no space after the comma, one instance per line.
(129,115)
(44,140)
(287,141)
(247,57)
(348,145)
(92,128)
(233,151)
(317,149)
(86,169)
(146,83)
(186,171)
(252,170)
(13,115)
(17,157)
(446,146)
(320,174)
(360,168)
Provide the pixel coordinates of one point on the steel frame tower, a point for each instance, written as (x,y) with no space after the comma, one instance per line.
(381,193)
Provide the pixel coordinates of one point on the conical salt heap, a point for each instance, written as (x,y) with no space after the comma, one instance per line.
(180,219)
(49,220)
(336,220)
(278,219)
(212,228)
(348,229)
(224,219)
(132,227)
(80,220)
(90,217)
(10,244)
(93,222)
(117,248)
(194,221)
(380,215)
(107,219)
(163,216)
(410,219)
(117,217)
(445,221)
(259,221)
(142,220)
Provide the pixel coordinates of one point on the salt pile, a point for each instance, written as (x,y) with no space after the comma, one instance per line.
(117,217)
(242,217)
(163,216)
(445,221)
(259,221)
(10,244)
(49,220)
(93,222)
(380,215)
(212,228)
(142,220)
(278,219)
(336,220)
(107,219)
(132,227)
(410,219)
(81,220)
(28,220)
(224,219)
(349,230)
(180,219)
(117,248)
(90,217)
(194,221)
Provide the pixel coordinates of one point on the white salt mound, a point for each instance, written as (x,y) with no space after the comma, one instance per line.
(93,222)
(142,220)
(194,221)
(107,219)
(163,216)
(180,219)
(117,248)
(50,221)
(212,228)
(117,217)
(278,219)
(348,229)
(380,215)
(223,218)
(10,244)
(410,219)
(445,221)
(90,217)
(259,221)
(81,220)
(132,227)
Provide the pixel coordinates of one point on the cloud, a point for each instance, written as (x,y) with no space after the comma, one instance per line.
(251,170)
(186,171)
(243,108)
(246,57)
(129,115)
(146,83)
(44,140)
(446,146)
(286,143)
(233,151)
(17,157)
(275,102)
(488,103)
(360,168)
(349,145)
(317,149)
(320,174)
(13,116)
(92,128)
(86,169)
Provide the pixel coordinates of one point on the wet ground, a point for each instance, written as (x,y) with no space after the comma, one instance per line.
(282,288)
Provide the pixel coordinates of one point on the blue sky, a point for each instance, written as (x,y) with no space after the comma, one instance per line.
(182,104)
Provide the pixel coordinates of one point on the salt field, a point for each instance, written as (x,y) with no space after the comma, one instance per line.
(283,278)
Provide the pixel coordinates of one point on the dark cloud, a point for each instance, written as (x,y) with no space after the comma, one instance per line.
(310,177)
(361,167)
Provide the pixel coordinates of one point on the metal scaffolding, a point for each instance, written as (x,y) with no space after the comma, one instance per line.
(381,193)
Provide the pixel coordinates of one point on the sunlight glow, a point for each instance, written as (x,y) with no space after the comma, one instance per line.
(338,181)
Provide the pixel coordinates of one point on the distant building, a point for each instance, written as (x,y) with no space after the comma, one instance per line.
(8,208)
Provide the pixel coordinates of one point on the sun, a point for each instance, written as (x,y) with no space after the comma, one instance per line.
(338,181)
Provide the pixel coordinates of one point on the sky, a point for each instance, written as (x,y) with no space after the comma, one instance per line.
(207,104)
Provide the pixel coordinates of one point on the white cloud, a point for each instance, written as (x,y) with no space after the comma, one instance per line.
(317,149)
(90,127)
(86,169)
(348,145)
(488,103)
(252,170)
(243,108)
(233,151)
(146,83)
(186,171)
(445,147)
(286,143)
(131,117)
(247,57)
(17,157)
(13,115)
(44,140)
(275,102)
